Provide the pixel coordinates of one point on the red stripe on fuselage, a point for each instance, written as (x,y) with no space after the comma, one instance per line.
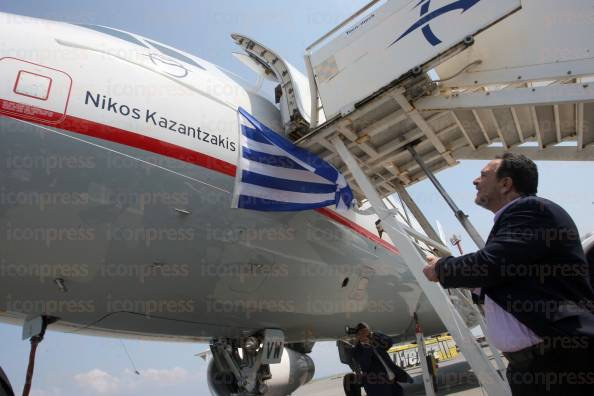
(357,228)
(132,139)
(117,135)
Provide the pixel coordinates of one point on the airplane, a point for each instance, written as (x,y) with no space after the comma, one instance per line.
(118,156)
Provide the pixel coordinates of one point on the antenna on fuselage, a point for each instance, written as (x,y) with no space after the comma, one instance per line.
(130,358)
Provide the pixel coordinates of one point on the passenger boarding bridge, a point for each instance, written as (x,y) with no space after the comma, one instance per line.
(404,88)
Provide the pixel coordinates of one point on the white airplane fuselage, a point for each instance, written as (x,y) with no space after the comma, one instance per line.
(117,164)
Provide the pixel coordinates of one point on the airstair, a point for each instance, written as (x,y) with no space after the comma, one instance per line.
(405,88)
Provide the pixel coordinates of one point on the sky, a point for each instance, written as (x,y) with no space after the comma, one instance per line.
(81,365)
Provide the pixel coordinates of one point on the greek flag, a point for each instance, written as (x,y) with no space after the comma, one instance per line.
(273,174)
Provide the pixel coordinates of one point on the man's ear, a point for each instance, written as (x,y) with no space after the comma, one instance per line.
(507,184)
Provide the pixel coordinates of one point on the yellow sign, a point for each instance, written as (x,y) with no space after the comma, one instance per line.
(406,355)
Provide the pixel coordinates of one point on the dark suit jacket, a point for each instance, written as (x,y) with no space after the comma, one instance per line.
(5,388)
(369,362)
(534,267)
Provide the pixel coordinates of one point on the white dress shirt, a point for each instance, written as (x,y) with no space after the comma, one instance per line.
(505,332)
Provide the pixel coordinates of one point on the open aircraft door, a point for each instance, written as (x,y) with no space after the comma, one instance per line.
(292,94)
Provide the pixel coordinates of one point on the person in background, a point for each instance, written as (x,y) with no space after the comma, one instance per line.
(380,373)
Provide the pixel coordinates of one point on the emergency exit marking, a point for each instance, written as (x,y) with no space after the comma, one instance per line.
(32,85)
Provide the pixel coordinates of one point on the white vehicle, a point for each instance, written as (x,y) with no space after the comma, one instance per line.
(118,157)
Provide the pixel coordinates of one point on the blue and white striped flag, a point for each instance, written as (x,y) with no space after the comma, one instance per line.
(274,174)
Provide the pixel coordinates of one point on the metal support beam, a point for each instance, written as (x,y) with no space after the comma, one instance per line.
(550,153)
(417,213)
(498,129)
(517,124)
(387,122)
(388,148)
(579,122)
(346,128)
(557,123)
(422,351)
(537,130)
(472,351)
(530,96)
(424,126)
(481,126)
(460,215)
(404,210)
(463,130)
(402,213)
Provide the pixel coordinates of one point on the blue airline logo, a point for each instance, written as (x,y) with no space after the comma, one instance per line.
(427,17)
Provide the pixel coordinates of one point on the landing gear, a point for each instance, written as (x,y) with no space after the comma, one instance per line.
(241,367)
(34,329)
(234,374)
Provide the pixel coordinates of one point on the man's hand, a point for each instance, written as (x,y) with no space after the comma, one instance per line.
(363,336)
(429,269)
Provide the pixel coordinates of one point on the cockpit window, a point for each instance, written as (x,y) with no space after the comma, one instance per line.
(175,54)
(115,33)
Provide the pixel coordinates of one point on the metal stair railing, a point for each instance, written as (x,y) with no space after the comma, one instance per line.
(488,376)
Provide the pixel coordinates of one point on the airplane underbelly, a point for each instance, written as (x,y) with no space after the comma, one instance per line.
(149,245)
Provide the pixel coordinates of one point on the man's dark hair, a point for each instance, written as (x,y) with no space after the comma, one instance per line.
(522,171)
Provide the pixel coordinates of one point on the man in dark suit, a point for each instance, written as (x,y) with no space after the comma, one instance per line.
(534,278)
(5,388)
(380,373)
